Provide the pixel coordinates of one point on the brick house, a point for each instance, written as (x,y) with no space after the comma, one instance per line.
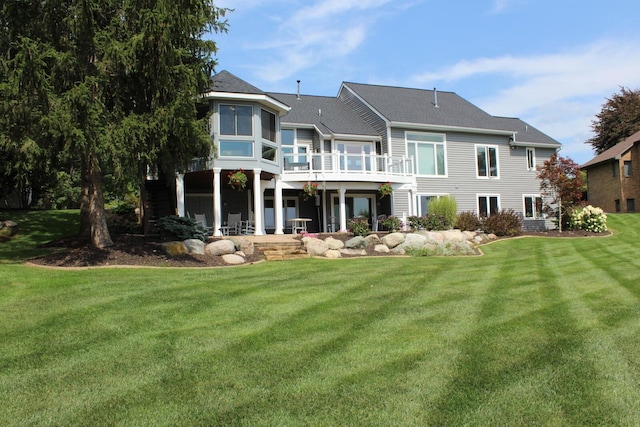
(613,177)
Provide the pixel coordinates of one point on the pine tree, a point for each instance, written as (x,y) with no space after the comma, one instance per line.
(115,84)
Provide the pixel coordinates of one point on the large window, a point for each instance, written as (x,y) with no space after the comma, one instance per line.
(295,155)
(488,205)
(236,120)
(229,148)
(268,125)
(428,151)
(355,156)
(423,202)
(487,161)
(627,168)
(532,207)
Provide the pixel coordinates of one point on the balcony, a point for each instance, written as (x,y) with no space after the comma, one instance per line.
(352,167)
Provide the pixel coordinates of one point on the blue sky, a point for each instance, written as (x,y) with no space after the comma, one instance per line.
(552,63)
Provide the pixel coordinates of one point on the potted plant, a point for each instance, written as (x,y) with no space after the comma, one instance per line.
(237,179)
(385,189)
(310,189)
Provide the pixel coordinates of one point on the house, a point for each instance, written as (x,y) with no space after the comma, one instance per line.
(425,143)
(612,183)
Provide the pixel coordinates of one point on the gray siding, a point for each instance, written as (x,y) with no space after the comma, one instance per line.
(375,121)
(305,136)
(462,182)
(400,203)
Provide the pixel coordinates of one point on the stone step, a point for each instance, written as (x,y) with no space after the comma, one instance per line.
(280,252)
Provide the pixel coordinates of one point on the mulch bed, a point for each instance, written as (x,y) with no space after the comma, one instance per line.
(139,250)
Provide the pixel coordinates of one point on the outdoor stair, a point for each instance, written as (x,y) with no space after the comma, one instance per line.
(281,251)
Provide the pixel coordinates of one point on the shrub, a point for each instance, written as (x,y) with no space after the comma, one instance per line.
(181,228)
(391,223)
(447,207)
(504,223)
(358,226)
(468,221)
(429,222)
(589,218)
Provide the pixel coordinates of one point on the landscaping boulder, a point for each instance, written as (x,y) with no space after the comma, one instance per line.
(174,248)
(242,244)
(372,240)
(332,253)
(353,252)
(334,243)
(414,241)
(195,246)
(8,228)
(220,247)
(355,242)
(233,259)
(316,247)
(392,240)
(383,249)
(454,236)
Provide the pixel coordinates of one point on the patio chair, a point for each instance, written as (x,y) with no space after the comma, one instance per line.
(234,222)
(201,220)
(249,225)
(376,225)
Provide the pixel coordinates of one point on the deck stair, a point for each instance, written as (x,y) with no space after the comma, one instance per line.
(282,250)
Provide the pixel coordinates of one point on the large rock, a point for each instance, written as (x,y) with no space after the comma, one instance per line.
(332,253)
(392,240)
(355,242)
(174,248)
(381,249)
(372,240)
(220,247)
(233,259)
(454,236)
(353,252)
(414,241)
(334,243)
(242,244)
(195,246)
(316,247)
(433,236)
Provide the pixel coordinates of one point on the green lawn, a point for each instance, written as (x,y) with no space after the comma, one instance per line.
(535,332)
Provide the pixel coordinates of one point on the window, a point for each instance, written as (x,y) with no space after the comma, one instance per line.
(269,152)
(487,161)
(294,155)
(236,120)
(230,148)
(614,169)
(268,125)
(424,201)
(532,207)
(488,205)
(355,156)
(531,159)
(617,201)
(428,152)
(627,169)
(631,205)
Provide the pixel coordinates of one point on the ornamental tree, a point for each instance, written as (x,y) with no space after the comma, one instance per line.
(112,84)
(562,182)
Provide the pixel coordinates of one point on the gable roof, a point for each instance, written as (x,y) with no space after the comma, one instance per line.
(614,152)
(442,109)
(328,114)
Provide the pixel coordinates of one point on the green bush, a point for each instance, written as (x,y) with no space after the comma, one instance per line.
(468,221)
(358,226)
(447,207)
(180,228)
(589,218)
(429,222)
(391,223)
(504,223)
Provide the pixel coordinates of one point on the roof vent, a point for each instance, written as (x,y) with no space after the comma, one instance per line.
(319,112)
(298,96)
(435,98)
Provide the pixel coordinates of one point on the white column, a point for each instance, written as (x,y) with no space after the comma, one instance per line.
(343,208)
(324,210)
(180,194)
(258,211)
(277,205)
(217,203)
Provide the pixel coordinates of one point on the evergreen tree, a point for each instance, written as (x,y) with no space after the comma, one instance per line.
(619,119)
(112,84)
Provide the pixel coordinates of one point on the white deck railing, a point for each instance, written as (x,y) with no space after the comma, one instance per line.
(338,163)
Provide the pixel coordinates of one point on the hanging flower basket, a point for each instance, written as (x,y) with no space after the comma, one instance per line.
(385,189)
(237,179)
(310,189)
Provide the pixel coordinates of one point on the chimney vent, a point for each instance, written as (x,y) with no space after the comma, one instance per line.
(435,98)
(298,96)
(319,112)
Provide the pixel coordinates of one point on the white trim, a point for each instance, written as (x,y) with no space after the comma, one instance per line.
(442,128)
(488,196)
(532,166)
(264,99)
(415,161)
(524,207)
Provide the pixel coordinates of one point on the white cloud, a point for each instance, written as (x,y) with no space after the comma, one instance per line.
(558,93)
